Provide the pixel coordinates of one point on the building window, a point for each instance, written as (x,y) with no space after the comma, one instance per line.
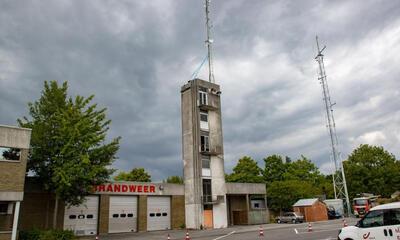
(207,194)
(6,216)
(10,154)
(204,144)
(205,163)
(3,208)
(203,97)
(205,167)
(204,120)
(257,203)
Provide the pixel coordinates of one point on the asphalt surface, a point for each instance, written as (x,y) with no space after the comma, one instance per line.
(327,230)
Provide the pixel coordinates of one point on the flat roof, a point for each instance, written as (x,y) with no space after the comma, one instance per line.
(245,188)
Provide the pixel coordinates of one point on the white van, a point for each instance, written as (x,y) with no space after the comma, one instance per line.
(380,223)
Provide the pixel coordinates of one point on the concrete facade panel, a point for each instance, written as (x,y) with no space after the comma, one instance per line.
(246,188)
(15,137)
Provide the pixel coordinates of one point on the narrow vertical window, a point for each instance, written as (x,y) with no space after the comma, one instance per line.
(204,144)
(205,167)
(203,98)
(207,194)
(204,120)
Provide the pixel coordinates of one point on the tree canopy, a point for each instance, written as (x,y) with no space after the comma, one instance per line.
(246,170)
(175,179)
(287,181)
(136,175)
(69,153)
(372,169)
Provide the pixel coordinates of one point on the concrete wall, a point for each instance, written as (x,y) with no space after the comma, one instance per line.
(191,165)
(246,188)
(192,157)
(258,216)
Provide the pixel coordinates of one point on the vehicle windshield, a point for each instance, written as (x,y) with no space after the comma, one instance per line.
(360,202)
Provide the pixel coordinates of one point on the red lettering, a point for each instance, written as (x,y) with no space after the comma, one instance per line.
(124,188)
(146,189)
(101,188)
(152,189)
(132,188)
(117,188)
(139,188)
(109,188)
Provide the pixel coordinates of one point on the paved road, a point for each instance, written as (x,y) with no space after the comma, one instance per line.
(327,230)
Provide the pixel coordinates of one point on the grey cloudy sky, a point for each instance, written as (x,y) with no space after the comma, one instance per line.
(134,55)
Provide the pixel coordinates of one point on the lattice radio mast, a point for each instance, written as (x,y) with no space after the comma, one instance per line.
(339,178)
(209,42)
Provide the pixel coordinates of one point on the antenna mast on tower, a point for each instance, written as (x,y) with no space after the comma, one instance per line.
(209,42)
(339,178)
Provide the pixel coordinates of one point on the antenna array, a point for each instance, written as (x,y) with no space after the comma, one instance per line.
(338,176)
(209,42)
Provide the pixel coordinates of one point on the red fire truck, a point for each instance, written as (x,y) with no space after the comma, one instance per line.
(362,205)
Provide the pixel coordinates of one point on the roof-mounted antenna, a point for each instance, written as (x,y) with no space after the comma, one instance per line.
(209,42)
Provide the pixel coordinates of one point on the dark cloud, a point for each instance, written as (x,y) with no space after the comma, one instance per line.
(135,55)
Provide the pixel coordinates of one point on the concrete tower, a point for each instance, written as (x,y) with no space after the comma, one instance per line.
(203,159)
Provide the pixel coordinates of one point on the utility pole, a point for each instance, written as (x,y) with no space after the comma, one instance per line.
(209,42)
(338,176)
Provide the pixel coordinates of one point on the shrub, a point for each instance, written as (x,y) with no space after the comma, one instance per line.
(36,234)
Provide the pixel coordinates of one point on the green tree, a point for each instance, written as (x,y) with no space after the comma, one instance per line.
(274,169)
(372,169)
(303,170)
(246,171)
(283,194)
(175,179)
(136,175)
(69,153)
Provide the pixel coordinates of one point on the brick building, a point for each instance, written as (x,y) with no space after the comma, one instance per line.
(14,147)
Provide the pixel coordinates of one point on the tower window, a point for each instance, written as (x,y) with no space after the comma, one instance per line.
(204,120)
(203,98)
(207,196)
(205,163)
(205,167)
(204,144)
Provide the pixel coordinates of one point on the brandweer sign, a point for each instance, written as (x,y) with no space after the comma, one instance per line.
(125,188)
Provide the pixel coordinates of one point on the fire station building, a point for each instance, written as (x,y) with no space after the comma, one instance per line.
(205,200)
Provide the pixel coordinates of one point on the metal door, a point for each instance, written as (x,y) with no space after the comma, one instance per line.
(123,214)
(82,219)
(158,213)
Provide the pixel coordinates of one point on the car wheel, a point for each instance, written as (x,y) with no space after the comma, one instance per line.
(294,221)
(279,221)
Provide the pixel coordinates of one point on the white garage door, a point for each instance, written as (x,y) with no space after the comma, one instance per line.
(83,219)
(123,214)
(158,213)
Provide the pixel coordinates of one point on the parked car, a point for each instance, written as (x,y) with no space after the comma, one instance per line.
(381,222)
(332,214)
(290,217)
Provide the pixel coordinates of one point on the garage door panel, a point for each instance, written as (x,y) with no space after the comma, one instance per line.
(123,214)
(158,213)
(82,219)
